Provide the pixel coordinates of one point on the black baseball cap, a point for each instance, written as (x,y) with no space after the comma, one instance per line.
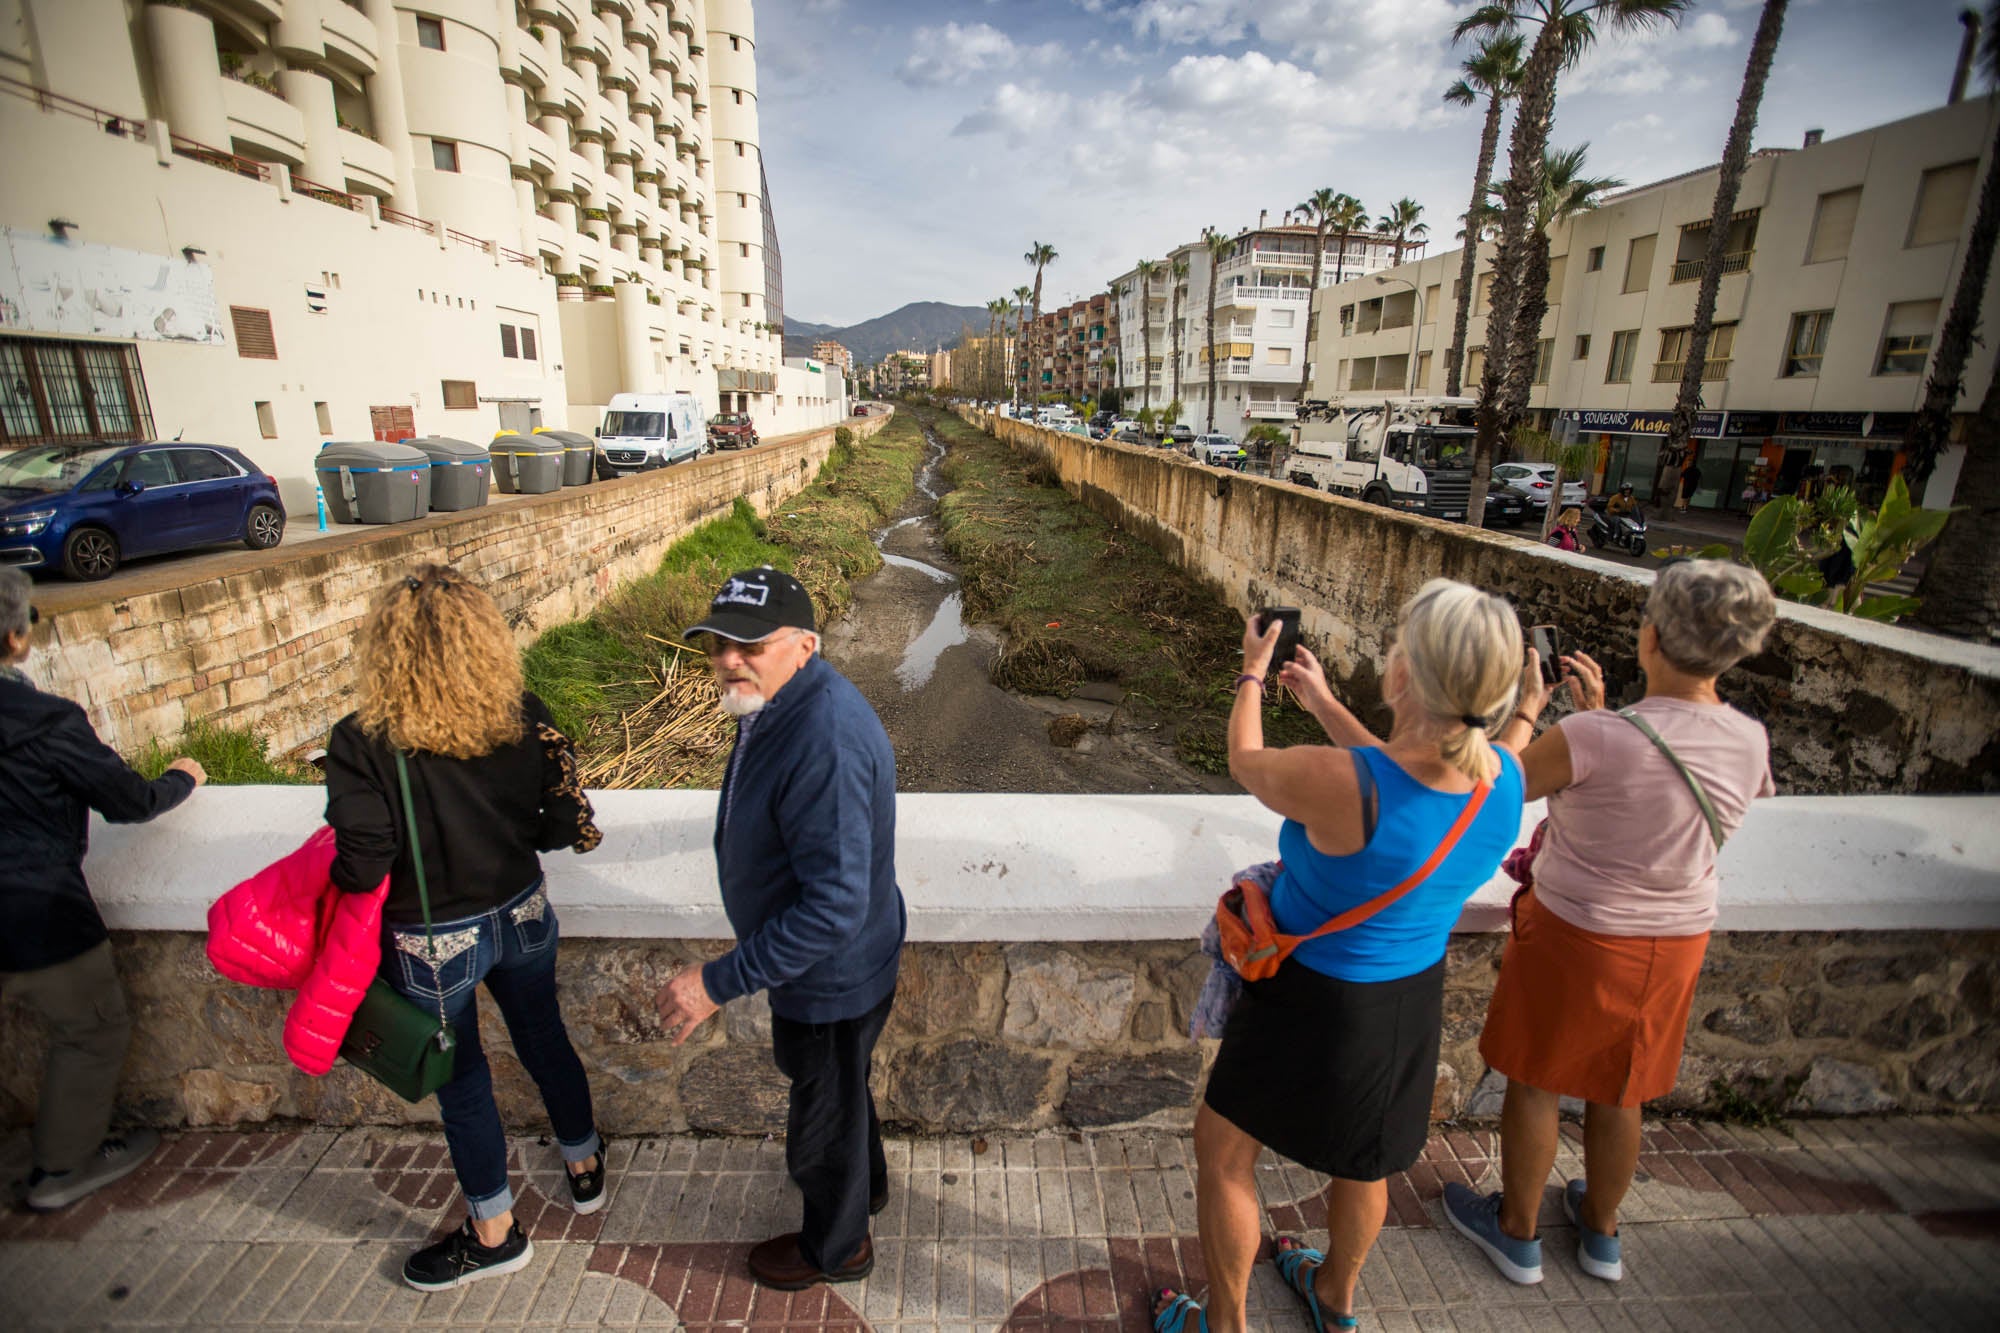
(755,604)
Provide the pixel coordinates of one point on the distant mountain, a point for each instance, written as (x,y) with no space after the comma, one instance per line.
(922,326)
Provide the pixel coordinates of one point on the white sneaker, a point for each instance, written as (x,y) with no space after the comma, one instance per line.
(115,1159)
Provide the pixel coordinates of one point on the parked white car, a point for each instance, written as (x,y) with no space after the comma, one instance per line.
(1217,450)
(1533,482)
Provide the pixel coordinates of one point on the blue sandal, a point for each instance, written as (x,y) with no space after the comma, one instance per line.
(1173,1318)
(1297,1262)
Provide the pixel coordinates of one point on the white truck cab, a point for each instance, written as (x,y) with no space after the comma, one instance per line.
(1413,454)
(642,431)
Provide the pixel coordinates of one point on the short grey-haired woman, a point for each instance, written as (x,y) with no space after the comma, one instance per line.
(1598,976)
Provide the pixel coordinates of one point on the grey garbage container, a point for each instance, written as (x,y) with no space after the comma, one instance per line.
(459,472)
(365,481)
(527,464)
(579,454)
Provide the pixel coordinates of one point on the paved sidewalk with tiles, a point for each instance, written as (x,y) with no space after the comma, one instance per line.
(1863,1224)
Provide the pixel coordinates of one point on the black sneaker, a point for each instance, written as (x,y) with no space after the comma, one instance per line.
(586,1188)
(459,1258)
(114,1159)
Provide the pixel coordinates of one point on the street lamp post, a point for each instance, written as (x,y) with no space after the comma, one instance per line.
(1416,328)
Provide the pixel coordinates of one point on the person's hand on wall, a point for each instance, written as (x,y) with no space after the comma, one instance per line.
(684,1003)
(192,768)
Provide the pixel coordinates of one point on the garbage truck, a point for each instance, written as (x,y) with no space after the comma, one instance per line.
(1413,454)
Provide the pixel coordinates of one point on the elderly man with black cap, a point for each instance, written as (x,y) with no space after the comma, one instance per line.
(805,841)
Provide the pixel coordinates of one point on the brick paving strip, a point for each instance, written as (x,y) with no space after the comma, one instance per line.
(1862,1224)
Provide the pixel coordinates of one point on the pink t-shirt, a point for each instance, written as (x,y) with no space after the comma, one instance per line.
(1627,850)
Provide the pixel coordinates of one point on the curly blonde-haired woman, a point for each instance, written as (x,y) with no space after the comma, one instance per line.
(492,783)
(1332,1061)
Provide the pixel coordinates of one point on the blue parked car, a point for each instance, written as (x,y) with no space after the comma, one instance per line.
(83,508)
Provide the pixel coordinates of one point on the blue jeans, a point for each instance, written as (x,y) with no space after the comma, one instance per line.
(511,948)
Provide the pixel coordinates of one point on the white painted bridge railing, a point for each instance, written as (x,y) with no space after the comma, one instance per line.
(1031,867)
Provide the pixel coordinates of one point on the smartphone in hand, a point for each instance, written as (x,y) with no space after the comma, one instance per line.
(1288,637)
(1549,643)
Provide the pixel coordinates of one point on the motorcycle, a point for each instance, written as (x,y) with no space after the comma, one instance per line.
(1625,531)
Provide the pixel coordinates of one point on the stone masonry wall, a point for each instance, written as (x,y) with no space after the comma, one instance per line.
(989,1037)
(268,647)
(1852,707)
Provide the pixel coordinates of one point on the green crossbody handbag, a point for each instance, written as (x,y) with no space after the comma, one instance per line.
(393,1040)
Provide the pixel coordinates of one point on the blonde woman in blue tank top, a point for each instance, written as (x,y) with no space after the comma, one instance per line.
(1332,1061)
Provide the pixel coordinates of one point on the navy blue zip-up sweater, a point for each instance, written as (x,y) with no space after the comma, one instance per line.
(805,849)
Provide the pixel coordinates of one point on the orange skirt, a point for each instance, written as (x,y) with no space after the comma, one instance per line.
(1600,1017)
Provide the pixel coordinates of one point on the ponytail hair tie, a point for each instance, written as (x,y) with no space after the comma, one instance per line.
(1476,723)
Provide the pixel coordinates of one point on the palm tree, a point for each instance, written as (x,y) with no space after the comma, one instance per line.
(1347,215)
(1401,221)
(1316,211)
(989,378)
(1567,29)
(1961,586)
(1926,437)
(1021,295)
(1115,292)
(1040,255)
(1494,70)
(1146,271)
(1735,157)
(1177,274)
(1219,247)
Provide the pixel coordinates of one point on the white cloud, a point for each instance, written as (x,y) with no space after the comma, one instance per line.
(1630,63)
(955,51)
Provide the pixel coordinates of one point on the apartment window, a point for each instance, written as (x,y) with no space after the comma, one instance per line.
(1906,341)
(1482,293)
(324,418)
(267,421)
(430,34)
(1362,373)
(460,395)
(527,343)
(1582,352)
(1596,260)
(444,155)
(1639,264)
(1431,303)
(1280,319)
(1475,365)
(1278,356)
(1692,256)
(1833,225)
(1545,355)
(1674,352)
(1558,270)
(510,345)
(53,391)
(1624,350)
(1423,371)
(1941,200)
(1806,345)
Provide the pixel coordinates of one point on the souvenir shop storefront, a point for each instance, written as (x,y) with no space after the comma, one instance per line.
(1743,458)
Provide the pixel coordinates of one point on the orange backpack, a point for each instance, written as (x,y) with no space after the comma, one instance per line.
(1251,942)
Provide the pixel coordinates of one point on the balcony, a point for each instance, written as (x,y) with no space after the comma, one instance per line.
(264,123)
(1271,409)
(1689,270)
(1246,292)
(1670,372)
(369,166)
(348,34)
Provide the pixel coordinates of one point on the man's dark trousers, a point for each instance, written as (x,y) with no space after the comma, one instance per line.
(833,1142)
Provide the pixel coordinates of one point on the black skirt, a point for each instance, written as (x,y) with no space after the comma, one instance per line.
(1336,1075)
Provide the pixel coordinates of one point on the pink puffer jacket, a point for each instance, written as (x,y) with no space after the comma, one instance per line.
(289,928)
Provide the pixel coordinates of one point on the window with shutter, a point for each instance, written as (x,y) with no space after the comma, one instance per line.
(1906,340)
(1639,263)
(1806,347)
(1941,201)
(1482,293)
(460,395)
(509,347)
(527,343)
(1624,351)
(253,333)
(1558,269)
(1833,225)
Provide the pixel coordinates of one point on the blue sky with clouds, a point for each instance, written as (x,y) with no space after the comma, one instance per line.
(916,147)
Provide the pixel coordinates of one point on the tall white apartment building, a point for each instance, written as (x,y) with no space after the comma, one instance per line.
(270,223)
(1840,266)
(1263,290)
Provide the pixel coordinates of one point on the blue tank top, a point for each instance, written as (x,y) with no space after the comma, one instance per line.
(1411,934)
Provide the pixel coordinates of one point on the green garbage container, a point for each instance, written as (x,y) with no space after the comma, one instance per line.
(366,481)
(579,454)
(526,464)
(460,472)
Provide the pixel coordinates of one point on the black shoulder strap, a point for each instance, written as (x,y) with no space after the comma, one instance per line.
(1371,804)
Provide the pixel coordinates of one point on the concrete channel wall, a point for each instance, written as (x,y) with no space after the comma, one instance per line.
(1852,706)
(267,646)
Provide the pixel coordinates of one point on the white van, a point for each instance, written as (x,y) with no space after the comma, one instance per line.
(642,431)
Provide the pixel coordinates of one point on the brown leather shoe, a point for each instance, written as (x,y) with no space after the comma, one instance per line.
(777,1263)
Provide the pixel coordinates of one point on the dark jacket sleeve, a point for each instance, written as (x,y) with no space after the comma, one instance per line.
(567,816)
(366,833)
(92,770)
(825,821)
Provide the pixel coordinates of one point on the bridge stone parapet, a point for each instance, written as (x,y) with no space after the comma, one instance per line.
(1051,966)
(267,645)
(1852,706)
